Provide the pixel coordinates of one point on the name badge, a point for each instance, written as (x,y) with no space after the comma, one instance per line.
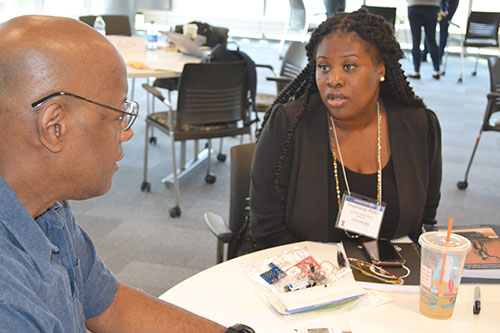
(360,215)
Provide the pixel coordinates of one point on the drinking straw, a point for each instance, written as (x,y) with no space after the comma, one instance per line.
(450,224)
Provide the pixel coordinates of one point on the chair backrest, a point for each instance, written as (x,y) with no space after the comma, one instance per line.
(388,13)
(223,54)
(494,69)
(115,24)
(483,26)
(241,161)
(294,61)
(212,93)
(297,19)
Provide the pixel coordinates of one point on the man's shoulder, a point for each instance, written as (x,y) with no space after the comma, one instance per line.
(12,255)
(17,269)
(22,297)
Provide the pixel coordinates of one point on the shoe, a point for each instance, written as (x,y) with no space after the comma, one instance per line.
(436,76)
(414,76)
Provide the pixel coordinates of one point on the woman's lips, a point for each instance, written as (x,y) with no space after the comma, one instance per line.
(336,100)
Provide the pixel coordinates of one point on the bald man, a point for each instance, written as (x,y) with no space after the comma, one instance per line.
(63,118)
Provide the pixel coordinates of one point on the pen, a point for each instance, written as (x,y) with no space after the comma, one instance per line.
(476,307)
(341,260)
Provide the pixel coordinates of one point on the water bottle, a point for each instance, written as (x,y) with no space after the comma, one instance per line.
(152,36)
(100,25)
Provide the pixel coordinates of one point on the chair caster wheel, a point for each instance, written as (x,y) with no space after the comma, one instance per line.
(145,187)
(152,140)
(221,157)
(175,212)
(474,73)
(462,185)
(210,179)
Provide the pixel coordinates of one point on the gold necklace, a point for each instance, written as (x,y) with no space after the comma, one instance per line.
(379,166)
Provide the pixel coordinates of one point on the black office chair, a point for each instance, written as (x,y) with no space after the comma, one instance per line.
(212,103)
(482,31)
(388,13)
(239,211)
(299,22)
(294,61)
(221,36)
(492,107)
(115,24)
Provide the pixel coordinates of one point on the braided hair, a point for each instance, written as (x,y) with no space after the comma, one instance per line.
(373,30)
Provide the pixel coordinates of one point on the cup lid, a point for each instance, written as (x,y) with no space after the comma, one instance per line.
(436,240)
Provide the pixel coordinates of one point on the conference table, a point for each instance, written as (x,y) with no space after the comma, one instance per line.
(164,62)
(225,294)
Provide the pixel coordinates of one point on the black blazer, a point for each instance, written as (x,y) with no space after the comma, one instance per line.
(415,141)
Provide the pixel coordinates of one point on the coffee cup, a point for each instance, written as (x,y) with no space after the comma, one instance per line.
(190,30)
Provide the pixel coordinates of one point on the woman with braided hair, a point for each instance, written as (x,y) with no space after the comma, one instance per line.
(349,122)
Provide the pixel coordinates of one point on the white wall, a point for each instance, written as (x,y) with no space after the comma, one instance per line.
(69,8)
(243,17)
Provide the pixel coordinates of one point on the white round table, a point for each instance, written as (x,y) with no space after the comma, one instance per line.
(224,294)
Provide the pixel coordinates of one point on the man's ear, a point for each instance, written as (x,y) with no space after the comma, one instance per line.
(52,126)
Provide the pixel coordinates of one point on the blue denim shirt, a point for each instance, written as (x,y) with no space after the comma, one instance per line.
(51,278)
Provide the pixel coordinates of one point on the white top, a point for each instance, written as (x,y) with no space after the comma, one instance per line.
(434,3)
(224,294)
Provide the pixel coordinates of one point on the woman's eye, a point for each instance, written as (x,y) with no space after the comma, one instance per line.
(349,67)
(323,68)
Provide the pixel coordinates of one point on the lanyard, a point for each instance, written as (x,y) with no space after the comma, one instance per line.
(379,171)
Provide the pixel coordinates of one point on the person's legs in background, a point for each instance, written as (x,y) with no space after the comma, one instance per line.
(443,37)
(443,27)
(429,15)
(416,22)
(425,51)
(334,6)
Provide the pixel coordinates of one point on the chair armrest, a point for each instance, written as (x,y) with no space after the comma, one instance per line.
(156,93)
(429,227)
(493,94)
(284,79)
(218,227)
(268,67)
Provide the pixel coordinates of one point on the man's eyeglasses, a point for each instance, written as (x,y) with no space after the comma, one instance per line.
(128,118)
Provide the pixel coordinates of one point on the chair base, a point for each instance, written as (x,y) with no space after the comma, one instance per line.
(184,171)
(175,212)
(462,184)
